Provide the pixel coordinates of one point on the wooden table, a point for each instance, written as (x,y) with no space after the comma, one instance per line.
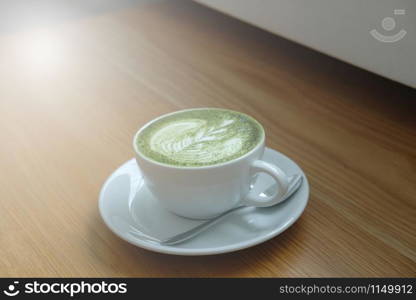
(74,90)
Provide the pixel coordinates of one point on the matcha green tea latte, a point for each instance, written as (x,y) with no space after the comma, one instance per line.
(199,137)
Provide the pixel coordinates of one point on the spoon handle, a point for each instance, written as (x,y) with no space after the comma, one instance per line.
(294,183)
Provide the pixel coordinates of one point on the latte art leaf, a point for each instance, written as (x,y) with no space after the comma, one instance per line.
(199,137)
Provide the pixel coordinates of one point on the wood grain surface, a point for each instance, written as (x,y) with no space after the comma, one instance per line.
(74,90)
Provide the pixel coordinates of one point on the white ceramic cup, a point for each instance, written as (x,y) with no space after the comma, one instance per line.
(206,191)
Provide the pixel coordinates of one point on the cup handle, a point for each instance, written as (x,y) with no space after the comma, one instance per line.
(259,166)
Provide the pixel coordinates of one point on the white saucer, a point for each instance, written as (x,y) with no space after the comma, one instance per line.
(129,210)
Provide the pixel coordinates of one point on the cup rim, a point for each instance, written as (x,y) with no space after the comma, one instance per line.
(150,160)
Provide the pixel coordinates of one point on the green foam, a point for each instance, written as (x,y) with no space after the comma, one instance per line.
(199,137)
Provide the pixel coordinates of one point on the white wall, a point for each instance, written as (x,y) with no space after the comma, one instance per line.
(340,28)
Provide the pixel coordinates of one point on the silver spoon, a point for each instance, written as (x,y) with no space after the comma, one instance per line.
(295,182)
